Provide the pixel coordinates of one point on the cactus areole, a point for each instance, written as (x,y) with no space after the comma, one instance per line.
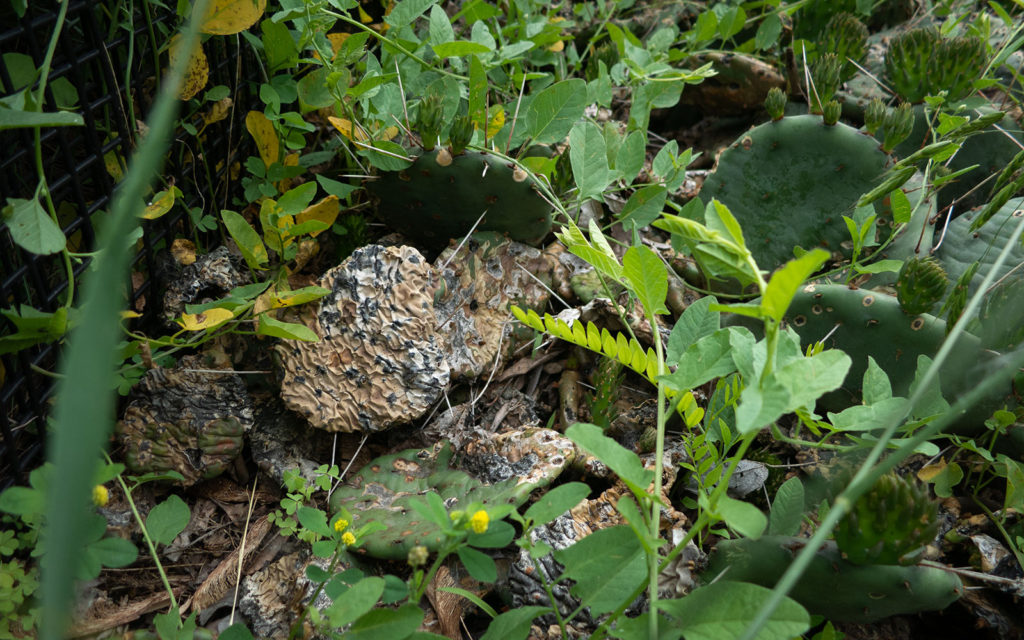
(442,196)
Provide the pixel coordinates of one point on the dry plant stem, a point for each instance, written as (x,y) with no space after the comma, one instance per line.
(241,551)
(866,476)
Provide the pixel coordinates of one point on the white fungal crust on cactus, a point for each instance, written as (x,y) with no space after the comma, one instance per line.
(380,360)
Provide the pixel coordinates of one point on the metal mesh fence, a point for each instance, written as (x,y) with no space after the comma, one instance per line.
(106,67)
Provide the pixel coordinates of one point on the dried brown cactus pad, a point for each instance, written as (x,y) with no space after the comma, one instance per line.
(380,360)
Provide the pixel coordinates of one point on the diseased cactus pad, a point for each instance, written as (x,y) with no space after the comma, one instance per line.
(380,360)
(187,420)
(441,196)
(383,490)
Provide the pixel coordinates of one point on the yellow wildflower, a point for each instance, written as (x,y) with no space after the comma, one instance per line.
(418,556)
(348,538)
(100,496)
(340,524)
(479,521)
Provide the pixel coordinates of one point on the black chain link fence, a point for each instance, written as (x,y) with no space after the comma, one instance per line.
(106,67)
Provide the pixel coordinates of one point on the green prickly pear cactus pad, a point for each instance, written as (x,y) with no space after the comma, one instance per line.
(961,246)
(833,586)
(867,323)
(790,181)
(441,196)
(383,489)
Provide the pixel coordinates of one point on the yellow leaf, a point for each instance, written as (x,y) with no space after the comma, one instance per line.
(196,73)
(336,40)
(927,473)
(262,132)
(264,302)
(206,320)
(388,133)
(183,251)
(496,121)
(364,17)
(275,226)
(325,211)
(114,164)
(218,111)
(226,17)
(344,127)
(556,47)
(161,204)
(127,315)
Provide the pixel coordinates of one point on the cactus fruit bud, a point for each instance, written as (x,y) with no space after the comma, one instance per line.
(874,116)
(848,38)
(920,63)
(892,523)
(825,75)
(920,285)
(428,121)
(898,123)
(775,103)
(831,112)
(460,134)
(958,63)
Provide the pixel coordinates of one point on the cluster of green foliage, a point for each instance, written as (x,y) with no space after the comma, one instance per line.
(497,81)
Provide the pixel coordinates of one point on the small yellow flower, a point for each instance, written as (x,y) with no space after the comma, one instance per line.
(418,556)
(348,538)
(479,521)
(100,496)
(340,524)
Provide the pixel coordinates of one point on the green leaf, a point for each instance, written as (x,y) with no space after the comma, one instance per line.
(742,517)
(555,109)
(478,564)
(731,21)
(385,155)
(607,566)
(459,48)
(113,552)
(393,624)
(18,119)
(477,93)
(724,609)
(440,26)
(588,158)
(513,624)
(335,188)
(31,228)
(619,459)
(556,502)
(647,274)
(167,519)
(357,600)
(787,280)
(248,241)
(268,326)
(237,631)
(643,207)
(768,32)
(296,199)
(498,535)
(807,379)
(314,519)
(1014,483)
(708,358)
(880,266)
(875,386)
(630,158)
(787,509)
(22,501)
(696,322)
(900,204)
(406,11)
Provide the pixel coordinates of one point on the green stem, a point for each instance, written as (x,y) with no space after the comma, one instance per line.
(149,543)
(659,452)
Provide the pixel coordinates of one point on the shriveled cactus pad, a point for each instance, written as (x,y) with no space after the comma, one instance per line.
(380,360)
(186,419)
(383,490)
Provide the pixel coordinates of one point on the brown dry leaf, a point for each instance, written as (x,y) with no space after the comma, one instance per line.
(263,133)
(308,248)
(222,578)
(183,251)
(226,17)
(197,72)
(325,211)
